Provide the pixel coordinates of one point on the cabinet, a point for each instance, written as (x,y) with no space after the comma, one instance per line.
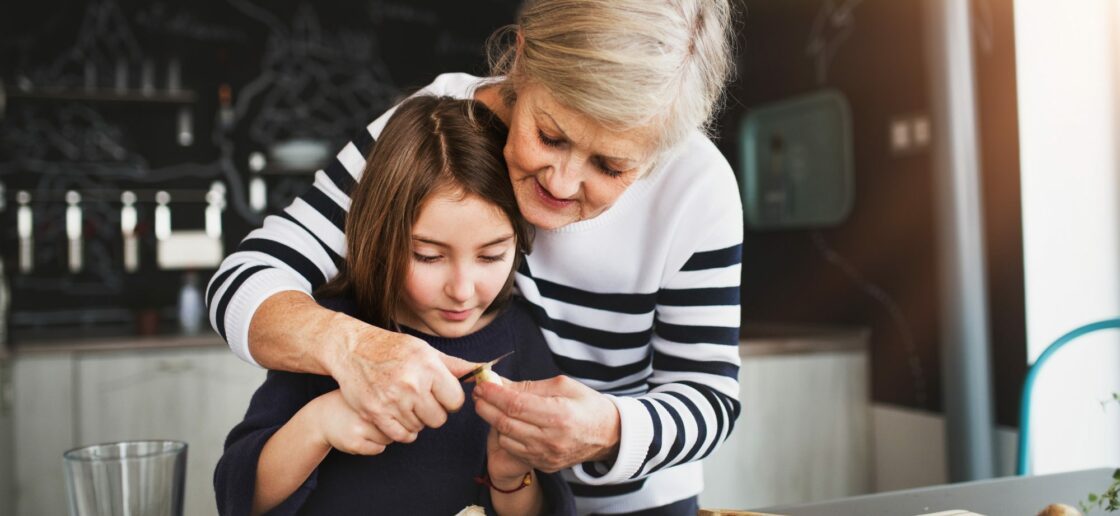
(67,399)
(804,431)
(44,429)
(803,434)
(7,439)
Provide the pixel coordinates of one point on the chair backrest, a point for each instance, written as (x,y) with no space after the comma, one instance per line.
(1021,467)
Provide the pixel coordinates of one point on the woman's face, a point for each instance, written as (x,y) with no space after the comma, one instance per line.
(462,255)
(564,166)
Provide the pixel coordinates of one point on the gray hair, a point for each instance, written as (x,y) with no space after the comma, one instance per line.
(626,64)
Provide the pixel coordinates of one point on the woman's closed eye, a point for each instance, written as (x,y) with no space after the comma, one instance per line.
(600,163)
(548,140)
(607,169)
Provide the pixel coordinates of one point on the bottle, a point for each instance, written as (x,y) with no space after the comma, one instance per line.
(190,305)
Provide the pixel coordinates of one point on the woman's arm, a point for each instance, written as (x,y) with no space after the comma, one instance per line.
(395,381)
(690,409)
(692,402)
(297,448)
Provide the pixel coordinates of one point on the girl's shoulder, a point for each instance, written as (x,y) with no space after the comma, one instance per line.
(344,304)
(534,358)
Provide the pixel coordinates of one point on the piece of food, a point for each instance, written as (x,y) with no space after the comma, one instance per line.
(487,375)
(1059,509)
(472,510)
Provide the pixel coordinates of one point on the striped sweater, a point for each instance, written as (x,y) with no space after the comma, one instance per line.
(640,303)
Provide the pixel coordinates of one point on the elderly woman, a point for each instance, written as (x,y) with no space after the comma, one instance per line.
(634,277)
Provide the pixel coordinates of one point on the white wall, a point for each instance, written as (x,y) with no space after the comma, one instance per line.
(908,448)
(1066,54)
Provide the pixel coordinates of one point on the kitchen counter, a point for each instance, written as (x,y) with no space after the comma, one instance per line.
(156,342)
(757,339)
(765,339)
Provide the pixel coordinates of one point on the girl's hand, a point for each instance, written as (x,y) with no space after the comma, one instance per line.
(341,428)
(505,470)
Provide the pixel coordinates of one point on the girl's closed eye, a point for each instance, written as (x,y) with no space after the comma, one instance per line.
(493,258)
(425,258)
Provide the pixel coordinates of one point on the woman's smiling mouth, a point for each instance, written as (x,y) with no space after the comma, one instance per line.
(549,200)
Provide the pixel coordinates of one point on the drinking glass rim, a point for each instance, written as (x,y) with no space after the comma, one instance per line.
(75,454)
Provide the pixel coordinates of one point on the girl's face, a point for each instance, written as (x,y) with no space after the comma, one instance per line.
(462,255)
(564,166)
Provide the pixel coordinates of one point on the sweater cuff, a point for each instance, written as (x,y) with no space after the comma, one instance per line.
(247,299)
(633,444)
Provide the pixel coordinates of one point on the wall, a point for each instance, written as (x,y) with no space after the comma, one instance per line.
(878,268)
(908,448)
(1069,111)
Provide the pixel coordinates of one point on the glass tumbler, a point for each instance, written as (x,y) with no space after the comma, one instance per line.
(129,478)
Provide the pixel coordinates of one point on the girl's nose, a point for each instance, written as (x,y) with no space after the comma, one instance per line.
(460,287)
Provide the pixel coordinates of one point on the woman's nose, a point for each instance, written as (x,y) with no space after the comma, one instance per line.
(563,179)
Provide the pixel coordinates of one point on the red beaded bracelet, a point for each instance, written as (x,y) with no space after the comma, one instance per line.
(484,480)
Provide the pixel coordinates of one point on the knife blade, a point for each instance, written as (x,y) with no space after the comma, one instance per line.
(474,372)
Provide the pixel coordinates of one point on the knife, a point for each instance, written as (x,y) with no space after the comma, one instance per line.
(474,372)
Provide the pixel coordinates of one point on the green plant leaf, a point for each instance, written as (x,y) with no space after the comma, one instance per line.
(1116,474)
(1092,497)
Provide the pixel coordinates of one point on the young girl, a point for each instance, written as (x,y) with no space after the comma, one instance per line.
(434,237)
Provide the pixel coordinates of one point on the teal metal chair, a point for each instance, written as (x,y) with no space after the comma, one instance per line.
(1028,386)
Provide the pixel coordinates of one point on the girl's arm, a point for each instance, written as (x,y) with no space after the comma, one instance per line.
(506,472)
(297,448)
(383,374)
(529,500)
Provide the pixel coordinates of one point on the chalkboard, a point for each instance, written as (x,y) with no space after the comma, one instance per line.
(108,96)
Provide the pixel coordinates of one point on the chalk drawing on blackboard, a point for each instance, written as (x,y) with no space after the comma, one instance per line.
(70,132)
(312,85)
(175,20)
(381,11)
(103,43)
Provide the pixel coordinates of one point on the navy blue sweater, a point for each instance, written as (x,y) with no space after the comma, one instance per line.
(433,475)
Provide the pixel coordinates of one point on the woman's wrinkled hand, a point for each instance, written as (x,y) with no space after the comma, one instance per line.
(550,424)
(395,381)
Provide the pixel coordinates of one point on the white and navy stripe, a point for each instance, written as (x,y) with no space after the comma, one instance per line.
(640,303)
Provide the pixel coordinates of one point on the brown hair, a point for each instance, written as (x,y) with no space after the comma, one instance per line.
(430,144)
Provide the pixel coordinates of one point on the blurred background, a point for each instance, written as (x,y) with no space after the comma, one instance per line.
(932,193)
